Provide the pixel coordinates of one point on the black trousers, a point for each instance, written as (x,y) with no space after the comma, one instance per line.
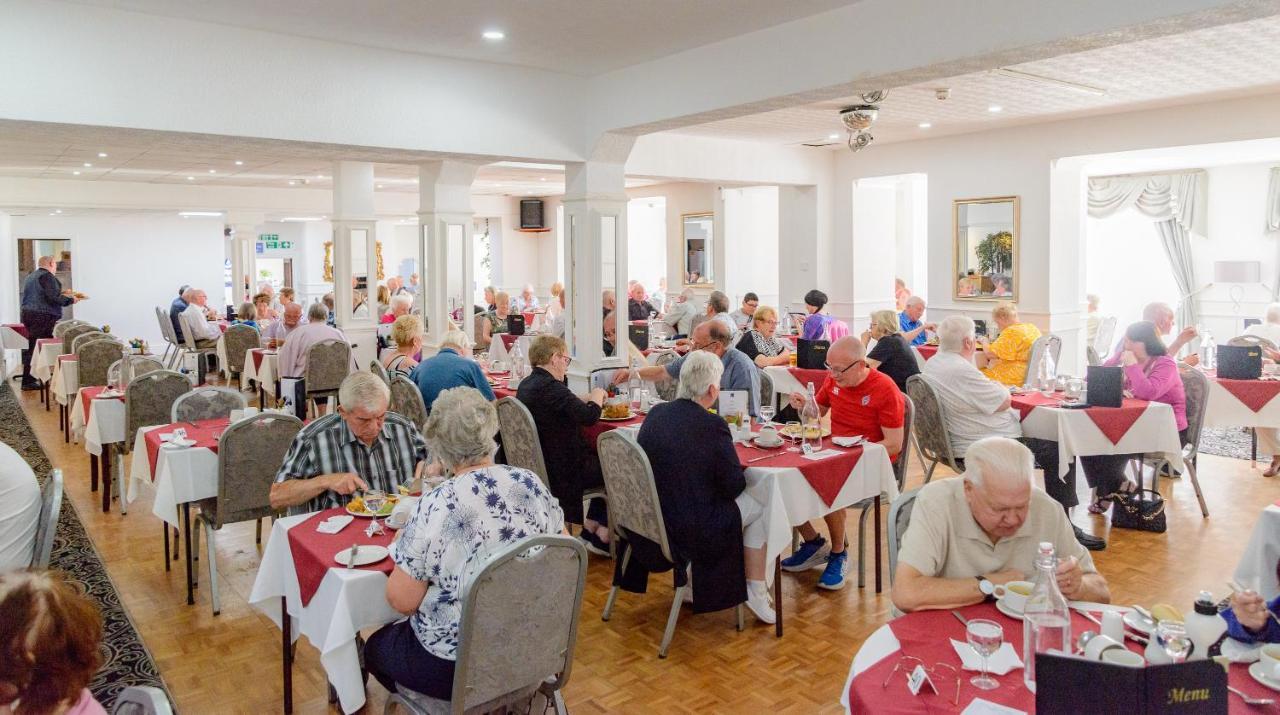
(1105,472)
(395,656)
(39,325)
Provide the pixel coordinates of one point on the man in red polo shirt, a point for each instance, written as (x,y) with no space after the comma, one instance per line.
(862,401)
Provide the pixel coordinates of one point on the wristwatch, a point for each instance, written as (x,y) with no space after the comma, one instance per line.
(987,588)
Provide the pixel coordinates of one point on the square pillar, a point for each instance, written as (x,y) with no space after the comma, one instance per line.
(446,248)
(355,256)
(595,234)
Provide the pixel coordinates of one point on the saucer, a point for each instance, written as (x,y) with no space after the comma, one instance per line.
(768,445)
(1015,615)
(1256,669)
(1135,621)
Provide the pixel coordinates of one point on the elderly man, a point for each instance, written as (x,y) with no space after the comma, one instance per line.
(43,299)
(361,446)
(913,329)
(450,368)
(1162,315)
(739,372)
(178,305)
(718,309)
(862,401)
(278,331)
(978,407)
(743,315)
(199,316)
(969,534)
(608,301)
(679,315)
(293,356)
(401,304)
(526,301)
(638,306)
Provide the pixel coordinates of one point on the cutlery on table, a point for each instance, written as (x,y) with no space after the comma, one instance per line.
(351,558)
(1145,614)
(767,456)
(961,618)
(1127,633)
(1248,700)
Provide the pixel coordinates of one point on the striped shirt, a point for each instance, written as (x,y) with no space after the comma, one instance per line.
(328,446)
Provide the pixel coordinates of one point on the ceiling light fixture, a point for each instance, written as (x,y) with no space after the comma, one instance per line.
(542,178)
(858,118)
(299,219)
(76,173)
(186,214)
(833,136)
(87,165)
(239,163)
(995,109)
(1050,81)
(379,186)
(292,182)
(102,155)
(58,211)
(191,178)
(319,176)
(213,171)
(925,125)
(494,35)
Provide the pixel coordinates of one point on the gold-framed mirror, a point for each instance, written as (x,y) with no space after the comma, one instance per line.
(698,232)
(328,261)
(985,232)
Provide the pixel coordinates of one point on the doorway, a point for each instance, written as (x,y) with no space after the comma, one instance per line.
(276,271)
(29,252)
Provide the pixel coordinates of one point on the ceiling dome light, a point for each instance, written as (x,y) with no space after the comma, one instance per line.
(239,163)
(191,178)
(925,125)
(87,165)
(213,171)
(102,155)
(494,35)
(833,136)
(995,109)
(75,173)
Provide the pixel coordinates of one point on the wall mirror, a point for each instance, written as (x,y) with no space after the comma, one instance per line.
(698,252)
(986,248)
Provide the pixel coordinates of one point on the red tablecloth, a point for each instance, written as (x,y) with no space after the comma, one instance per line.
(89,394)
(806,376)
(1113,422)
(927,351)
(789,338)
(1255,394)
(1027,402)
(592,432)
(826,476)
(528,319)
(18,328)
(204,432)
(508,340)
(313,551)
(41,342)
(926,635)
(258,355)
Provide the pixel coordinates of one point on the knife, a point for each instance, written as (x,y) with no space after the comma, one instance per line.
(960,618)
(351,560)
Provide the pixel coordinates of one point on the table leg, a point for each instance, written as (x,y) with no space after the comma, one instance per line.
(164,530)
(106,478)
(44,393)
(286,628)
(262,396)
(777,596)
(93,472)
(877,517)
(63,424)
(186,547)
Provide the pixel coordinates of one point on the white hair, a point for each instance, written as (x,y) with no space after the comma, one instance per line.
(455,338)
(318,313)
(402,300)
(460,430)
(363,389)
(699,372)
(952,332)
(915,300)
(1273,313)
(1000,460)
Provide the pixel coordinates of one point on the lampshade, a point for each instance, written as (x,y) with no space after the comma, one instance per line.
(1237,271)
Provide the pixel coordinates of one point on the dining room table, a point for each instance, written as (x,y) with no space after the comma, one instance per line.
(43,362)
(874,686)
(14,336)
(1259,566)
(98,417)
(63,387)
(262,368)
(1242,403)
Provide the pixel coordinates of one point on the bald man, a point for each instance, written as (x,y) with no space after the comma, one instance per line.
(43,299)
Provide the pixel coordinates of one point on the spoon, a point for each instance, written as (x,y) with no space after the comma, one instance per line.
(1146,615)
(1251,700)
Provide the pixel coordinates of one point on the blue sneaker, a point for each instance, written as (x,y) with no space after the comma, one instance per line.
(833,576)
(809,555)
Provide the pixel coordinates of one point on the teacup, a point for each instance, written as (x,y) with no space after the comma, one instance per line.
(1014,594)
(768,435)
(1123,656)
(1099,645)
(1269,656)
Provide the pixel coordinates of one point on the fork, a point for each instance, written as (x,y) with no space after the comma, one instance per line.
(1251,700)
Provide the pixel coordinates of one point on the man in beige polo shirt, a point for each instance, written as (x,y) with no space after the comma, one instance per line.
(983,528)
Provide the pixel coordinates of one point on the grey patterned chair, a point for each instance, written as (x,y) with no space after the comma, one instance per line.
(1045,345)
(79,338)
(328,364)
(1249,341)
(207,403)
(406,400)
(1196,387)
(141,700)
(666,388)
(47,524)
(899,520)
(766,388)
(899,475)
(75,331)
(249,453)
(60,329)
(375,367)
(634,509)
(239,339)
(148,401)
(1091,356)
(94,358)
(514,653)
(930,427)
(520,437)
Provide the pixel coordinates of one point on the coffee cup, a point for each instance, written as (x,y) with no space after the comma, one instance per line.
(1099,645)
(1122,656)
(1014,594)
(768,435)
(1269,656)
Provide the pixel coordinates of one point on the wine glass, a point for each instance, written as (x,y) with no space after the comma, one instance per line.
(1172,636)
(374,499)
(792,430)
(766,413)
(985,637)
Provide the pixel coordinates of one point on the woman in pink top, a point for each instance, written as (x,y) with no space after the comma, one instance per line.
(1149,374)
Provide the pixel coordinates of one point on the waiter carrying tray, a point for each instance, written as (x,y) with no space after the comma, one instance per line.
(43,299)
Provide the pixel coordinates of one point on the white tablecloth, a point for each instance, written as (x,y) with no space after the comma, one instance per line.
(182,476)
(1155,432)
(345,603)
(1226,410)
(498,348)
(66,380)
(12,339)
(783,381)
(264,376)
(43,362)
(1262,554)
(105,425)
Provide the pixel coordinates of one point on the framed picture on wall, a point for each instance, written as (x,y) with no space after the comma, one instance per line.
(985,233)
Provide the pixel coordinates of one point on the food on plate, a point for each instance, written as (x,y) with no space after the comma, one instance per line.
(617,411)
(1165,612)
(812,433)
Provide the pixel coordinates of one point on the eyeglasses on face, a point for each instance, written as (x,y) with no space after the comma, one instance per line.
(841,370)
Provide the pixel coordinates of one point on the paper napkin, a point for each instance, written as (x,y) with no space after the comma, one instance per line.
(1000,662)
(334,524)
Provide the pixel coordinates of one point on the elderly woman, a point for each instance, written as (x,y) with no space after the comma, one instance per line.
(760,342)
(400,306)
(556,304)
(891,354)
(246,314)
(264,312)
(815,322)
(680,314)
(1251,618)
(1149,374)
(50,647)
(482,509)
(406,333)
(494,322)
(560,415)
(710,517)
(490,297)
(1005,360)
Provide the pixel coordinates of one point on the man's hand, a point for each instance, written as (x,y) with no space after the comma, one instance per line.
(1250,609)
(1192,360)
(346,483)
(796,400)
(620,376)
(1127,358)
(931,327)
(1070,578)
(597,395)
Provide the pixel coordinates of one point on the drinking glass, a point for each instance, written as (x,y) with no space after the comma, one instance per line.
(374,499)
(1172,636)
(766,413)
(792,430)
(985,637)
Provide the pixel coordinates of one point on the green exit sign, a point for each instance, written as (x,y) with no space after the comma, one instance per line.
(286,244)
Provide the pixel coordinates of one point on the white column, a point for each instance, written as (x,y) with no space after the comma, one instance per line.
(355,229)
(797,244)
(446,246)
(875,236)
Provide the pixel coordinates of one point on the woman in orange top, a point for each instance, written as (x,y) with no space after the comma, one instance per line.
(1005,360)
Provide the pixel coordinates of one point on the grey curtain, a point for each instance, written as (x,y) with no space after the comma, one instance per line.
(1273,201)
(1176,242)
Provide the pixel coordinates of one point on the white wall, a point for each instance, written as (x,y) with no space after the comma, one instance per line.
(9,298)
(682,198)
(647,241)
(129,265)
(751,243)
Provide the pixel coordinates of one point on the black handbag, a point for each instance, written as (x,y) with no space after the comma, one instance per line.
(1142,509)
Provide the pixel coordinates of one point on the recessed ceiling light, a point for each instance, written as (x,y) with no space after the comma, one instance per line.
(191,178)
(102,155)
(87,165)
(185,214)
(379,186)
(213,171)
(542,178)
(995,108)
(494,34)
(292,182)
(239,163)
(76,173)
(58,211)
(833,136)
(51,214)
(925,125)
(319,176)
(298,219)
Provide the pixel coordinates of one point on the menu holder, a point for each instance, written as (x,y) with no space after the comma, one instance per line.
(1066,684)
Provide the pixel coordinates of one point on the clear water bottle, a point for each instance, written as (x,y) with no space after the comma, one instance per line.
(634,385)
(1209,352)
(810,422)
(1046,622)
(1047,380)
(519,368)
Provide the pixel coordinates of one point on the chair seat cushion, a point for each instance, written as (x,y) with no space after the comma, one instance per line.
(433,706)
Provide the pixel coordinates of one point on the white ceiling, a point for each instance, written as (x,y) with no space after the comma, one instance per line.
(582,37)
(1221,61)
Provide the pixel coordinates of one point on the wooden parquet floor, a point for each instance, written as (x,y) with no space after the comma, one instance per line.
(231,663)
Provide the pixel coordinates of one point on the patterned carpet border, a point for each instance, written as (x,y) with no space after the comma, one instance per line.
(126,660)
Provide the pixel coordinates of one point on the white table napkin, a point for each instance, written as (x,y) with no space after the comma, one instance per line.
(334,524)
(824,454)
(853,441)
(1000,662)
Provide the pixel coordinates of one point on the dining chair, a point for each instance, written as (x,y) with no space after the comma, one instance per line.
(1106,331)
(899,520)
(1249,341)
(148,401)
(1195,385)
(1044,346)
(206,403)
(930,427)
(375,367)
(406,401)
(141,700)
(328,364)
(47,521)
(238,341)
(190,347)
(76,339)
(1091,356)
(766,387)
(866,506)
(75,331)
(94,358)
(666,388)
(634,510)
(249,453)
(520,438)
(172,348)
(515,654)
(62,326)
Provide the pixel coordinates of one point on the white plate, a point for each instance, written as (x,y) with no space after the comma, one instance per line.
(1015,615)
(179,443)
(166,437)
(369,554)
(1256,669)
(768,445)
(1137,623)
(1093,607)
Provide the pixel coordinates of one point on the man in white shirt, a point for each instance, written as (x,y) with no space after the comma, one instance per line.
(978,407)
(742,316)
(278,331)
(19,510)
(197,316)
(679,315)
(557,323)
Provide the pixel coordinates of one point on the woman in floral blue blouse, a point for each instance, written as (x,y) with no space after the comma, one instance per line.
(452,531)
